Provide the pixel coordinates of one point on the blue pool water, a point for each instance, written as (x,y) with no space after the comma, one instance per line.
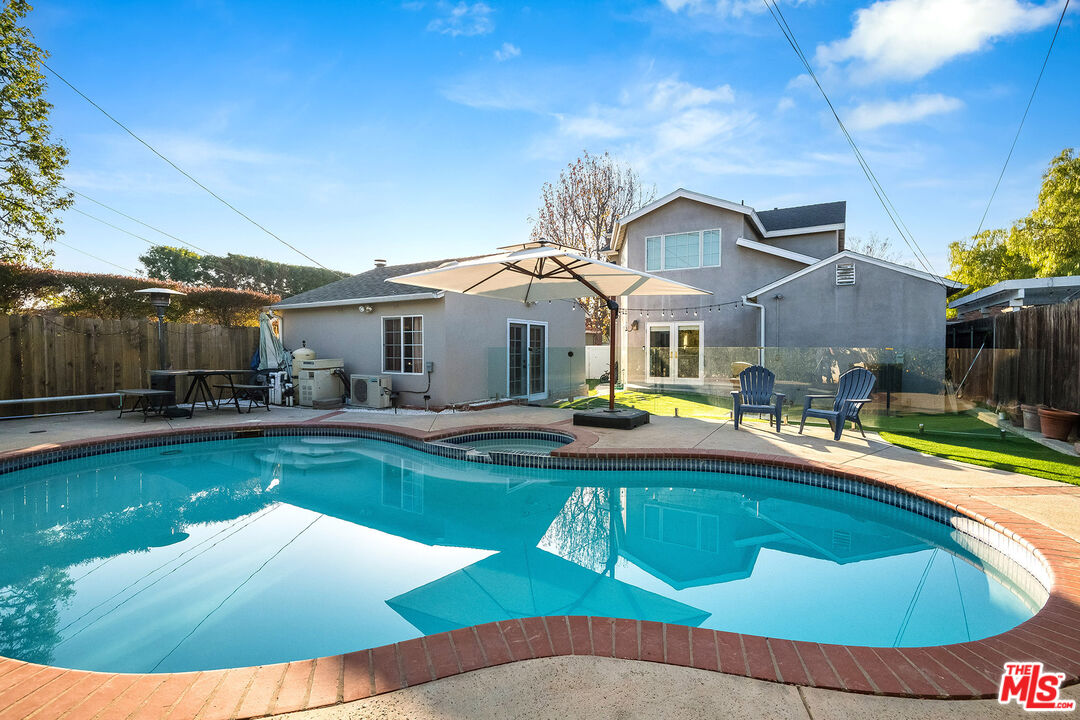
(245,552)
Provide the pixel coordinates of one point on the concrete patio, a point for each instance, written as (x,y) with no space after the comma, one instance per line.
(580,687)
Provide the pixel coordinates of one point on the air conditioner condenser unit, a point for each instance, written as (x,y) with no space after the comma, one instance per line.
(371,391)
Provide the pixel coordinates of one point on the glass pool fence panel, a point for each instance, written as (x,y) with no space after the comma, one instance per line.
(540,375)
(910,381)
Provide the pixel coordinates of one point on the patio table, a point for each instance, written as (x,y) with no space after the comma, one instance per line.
(199,387)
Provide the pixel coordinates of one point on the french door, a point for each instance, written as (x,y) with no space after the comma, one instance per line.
(526,358)
(675,353)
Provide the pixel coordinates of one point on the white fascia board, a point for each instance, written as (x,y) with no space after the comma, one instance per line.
(1012,285)
(773,250)
(683,193)
(851,255)
(805,230)
(360,301)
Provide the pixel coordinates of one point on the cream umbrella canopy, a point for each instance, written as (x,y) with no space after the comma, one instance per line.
(542,270)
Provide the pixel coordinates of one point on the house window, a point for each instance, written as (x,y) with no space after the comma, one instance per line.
(686,528)
(683,250)
(403,344)
(845,273)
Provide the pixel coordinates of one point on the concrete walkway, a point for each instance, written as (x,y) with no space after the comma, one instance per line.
(590,687)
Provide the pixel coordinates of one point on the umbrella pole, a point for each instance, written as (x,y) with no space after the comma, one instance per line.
(613,313)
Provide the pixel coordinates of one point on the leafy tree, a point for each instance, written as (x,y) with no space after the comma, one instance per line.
(173,263)
(1044,244)
(31,162)
(581,209)
(235,271)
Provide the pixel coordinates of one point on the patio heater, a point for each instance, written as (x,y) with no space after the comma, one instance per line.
(160,299)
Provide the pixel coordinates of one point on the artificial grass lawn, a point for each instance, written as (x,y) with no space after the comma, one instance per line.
(982,447)
(955,436)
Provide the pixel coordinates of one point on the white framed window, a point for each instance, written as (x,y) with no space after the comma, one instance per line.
(685,528)
(683,250)
(403,344)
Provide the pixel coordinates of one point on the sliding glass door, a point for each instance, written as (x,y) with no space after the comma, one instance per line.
(674,353)
(526,358)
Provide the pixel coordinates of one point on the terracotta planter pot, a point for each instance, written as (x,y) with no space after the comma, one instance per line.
(1057,424)
(1031,417)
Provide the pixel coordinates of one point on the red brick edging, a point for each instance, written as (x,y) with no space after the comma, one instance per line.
(958,671)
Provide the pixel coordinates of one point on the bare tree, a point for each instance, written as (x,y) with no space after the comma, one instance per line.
(874,246)
(580,211)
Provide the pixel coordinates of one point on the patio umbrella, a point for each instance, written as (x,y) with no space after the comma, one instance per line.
(530,582)
(272,355)
(542,270)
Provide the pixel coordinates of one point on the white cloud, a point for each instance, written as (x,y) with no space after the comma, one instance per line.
(463,19)
(785,104)
(906,39)
(871,115)
(722,8)
(508,51)
(674,94)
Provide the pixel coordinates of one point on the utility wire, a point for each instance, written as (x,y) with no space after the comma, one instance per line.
(180,170)
(115,227)
(99,259)
(135,219)
(1023,118)
(875,184)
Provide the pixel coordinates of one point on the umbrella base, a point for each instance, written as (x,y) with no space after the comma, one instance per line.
(621,419)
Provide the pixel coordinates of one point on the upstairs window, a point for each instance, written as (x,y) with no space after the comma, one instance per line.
(403,344)
(679,251)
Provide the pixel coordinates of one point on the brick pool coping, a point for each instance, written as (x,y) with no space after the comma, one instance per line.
(958,671)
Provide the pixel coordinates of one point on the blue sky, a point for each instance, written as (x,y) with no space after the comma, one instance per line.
(422,130)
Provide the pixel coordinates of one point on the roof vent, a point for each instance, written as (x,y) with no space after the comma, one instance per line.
(380,262)
(845,273)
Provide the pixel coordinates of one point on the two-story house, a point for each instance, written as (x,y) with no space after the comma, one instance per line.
(781,278)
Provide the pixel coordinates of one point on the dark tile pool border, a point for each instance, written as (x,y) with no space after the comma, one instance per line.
(958,671)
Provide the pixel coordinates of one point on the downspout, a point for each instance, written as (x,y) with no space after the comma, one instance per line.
(761,324)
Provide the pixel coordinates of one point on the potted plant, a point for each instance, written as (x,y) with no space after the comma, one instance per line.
(1031,417)
(1057,424)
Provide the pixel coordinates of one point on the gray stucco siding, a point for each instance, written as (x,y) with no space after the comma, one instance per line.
(817,245)
(465,336)
(884,308)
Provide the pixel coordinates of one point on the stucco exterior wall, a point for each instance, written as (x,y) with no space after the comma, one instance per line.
(817,245)
(465,336)
(740,270)
(884,308)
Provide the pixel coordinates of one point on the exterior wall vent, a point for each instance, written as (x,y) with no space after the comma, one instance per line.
(845,273)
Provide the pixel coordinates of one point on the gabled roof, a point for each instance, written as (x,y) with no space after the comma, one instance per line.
(777,251)
(370,286)
(950,286)
(804,216)
(780,222)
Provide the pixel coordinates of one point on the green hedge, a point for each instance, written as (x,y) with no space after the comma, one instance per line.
(24,289)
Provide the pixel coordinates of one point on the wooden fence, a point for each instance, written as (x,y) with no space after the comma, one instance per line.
(49,356)
(1031,356)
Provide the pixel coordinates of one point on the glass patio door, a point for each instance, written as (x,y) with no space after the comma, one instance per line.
(674,353)
(526,357)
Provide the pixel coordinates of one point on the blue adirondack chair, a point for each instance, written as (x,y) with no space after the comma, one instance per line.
(756,395)
(852,392)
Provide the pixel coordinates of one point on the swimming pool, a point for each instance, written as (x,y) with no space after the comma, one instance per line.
(242,552)
(531,442)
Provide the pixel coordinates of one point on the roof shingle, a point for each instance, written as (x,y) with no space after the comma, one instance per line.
(366,285)
(832,213)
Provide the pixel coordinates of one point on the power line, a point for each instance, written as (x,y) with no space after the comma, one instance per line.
(1022,119)
(180,170)
(135,219)
(115,227)
(875,184)
(99,259)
